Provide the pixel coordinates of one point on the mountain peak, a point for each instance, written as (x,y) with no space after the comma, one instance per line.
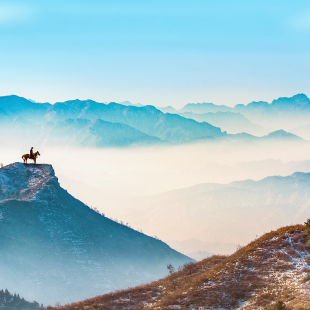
(298,100)
(282,134)
(74,252)
(24,182)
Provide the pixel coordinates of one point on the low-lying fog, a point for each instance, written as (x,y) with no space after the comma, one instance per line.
(110,179)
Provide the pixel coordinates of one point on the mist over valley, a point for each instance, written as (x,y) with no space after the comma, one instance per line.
(149,189)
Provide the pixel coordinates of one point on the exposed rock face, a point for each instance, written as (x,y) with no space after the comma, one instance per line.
(56,249)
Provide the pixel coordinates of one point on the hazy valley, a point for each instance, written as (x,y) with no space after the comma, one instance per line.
(204,179)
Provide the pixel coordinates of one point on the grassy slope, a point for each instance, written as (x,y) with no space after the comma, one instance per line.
(273,267)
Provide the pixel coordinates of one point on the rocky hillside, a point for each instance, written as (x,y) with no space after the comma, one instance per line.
(275,267)
(56,249)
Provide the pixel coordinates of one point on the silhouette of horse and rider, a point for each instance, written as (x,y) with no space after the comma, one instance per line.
(32,156)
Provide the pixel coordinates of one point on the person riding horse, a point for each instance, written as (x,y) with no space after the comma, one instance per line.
(32,156)
(31,153)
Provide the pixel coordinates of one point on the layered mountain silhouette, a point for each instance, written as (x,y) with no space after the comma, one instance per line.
(275,136)
(95,133)
(147,120)
(229,121)
(113,124)
(299,102)
(56,249)
(287,113)
(271,272)
(227,213)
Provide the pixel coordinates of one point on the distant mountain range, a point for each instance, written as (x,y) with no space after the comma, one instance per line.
(95,133)
(92,124)
(128,124)
(299,102)
(272,272)
(231,122)
(56,249)
(223,213)
(259,117)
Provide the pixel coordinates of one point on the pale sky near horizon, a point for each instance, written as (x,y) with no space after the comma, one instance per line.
(155,52)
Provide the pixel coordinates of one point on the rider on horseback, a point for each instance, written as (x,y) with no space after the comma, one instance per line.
(31,153)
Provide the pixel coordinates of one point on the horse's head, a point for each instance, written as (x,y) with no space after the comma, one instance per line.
(37,153)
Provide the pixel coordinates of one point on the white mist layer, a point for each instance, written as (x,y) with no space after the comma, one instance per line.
(111,179)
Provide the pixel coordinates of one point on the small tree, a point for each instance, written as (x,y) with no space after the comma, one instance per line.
(307,233)
(171,269)
(172,276)
(190,267)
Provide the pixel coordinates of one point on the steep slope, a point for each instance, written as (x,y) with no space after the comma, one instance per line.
(271,268)
(234,212)
(56,249)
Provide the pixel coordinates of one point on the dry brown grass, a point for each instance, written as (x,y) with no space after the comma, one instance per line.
(259,274)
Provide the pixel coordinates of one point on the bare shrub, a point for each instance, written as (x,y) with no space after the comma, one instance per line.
(295,238)
(300,247)
(305,279)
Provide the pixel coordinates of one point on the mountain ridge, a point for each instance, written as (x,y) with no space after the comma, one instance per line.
(235,211)
(56,249)
(147,119)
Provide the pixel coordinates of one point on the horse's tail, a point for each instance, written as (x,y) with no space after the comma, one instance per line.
(23,157)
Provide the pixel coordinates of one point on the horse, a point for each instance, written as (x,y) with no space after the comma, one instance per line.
(34,157)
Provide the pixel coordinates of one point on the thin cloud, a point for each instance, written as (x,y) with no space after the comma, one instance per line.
(10,14)
(302,22)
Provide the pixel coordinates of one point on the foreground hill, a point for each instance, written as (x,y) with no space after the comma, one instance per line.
(271,268)
(225,213)
(56,249)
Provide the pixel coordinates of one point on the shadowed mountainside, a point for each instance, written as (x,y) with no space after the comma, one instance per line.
(56,249)
(95,124)
(144,121)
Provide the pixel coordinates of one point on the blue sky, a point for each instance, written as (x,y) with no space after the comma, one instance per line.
(155,52)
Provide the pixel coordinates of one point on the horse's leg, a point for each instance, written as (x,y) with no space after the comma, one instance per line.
(35,161)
